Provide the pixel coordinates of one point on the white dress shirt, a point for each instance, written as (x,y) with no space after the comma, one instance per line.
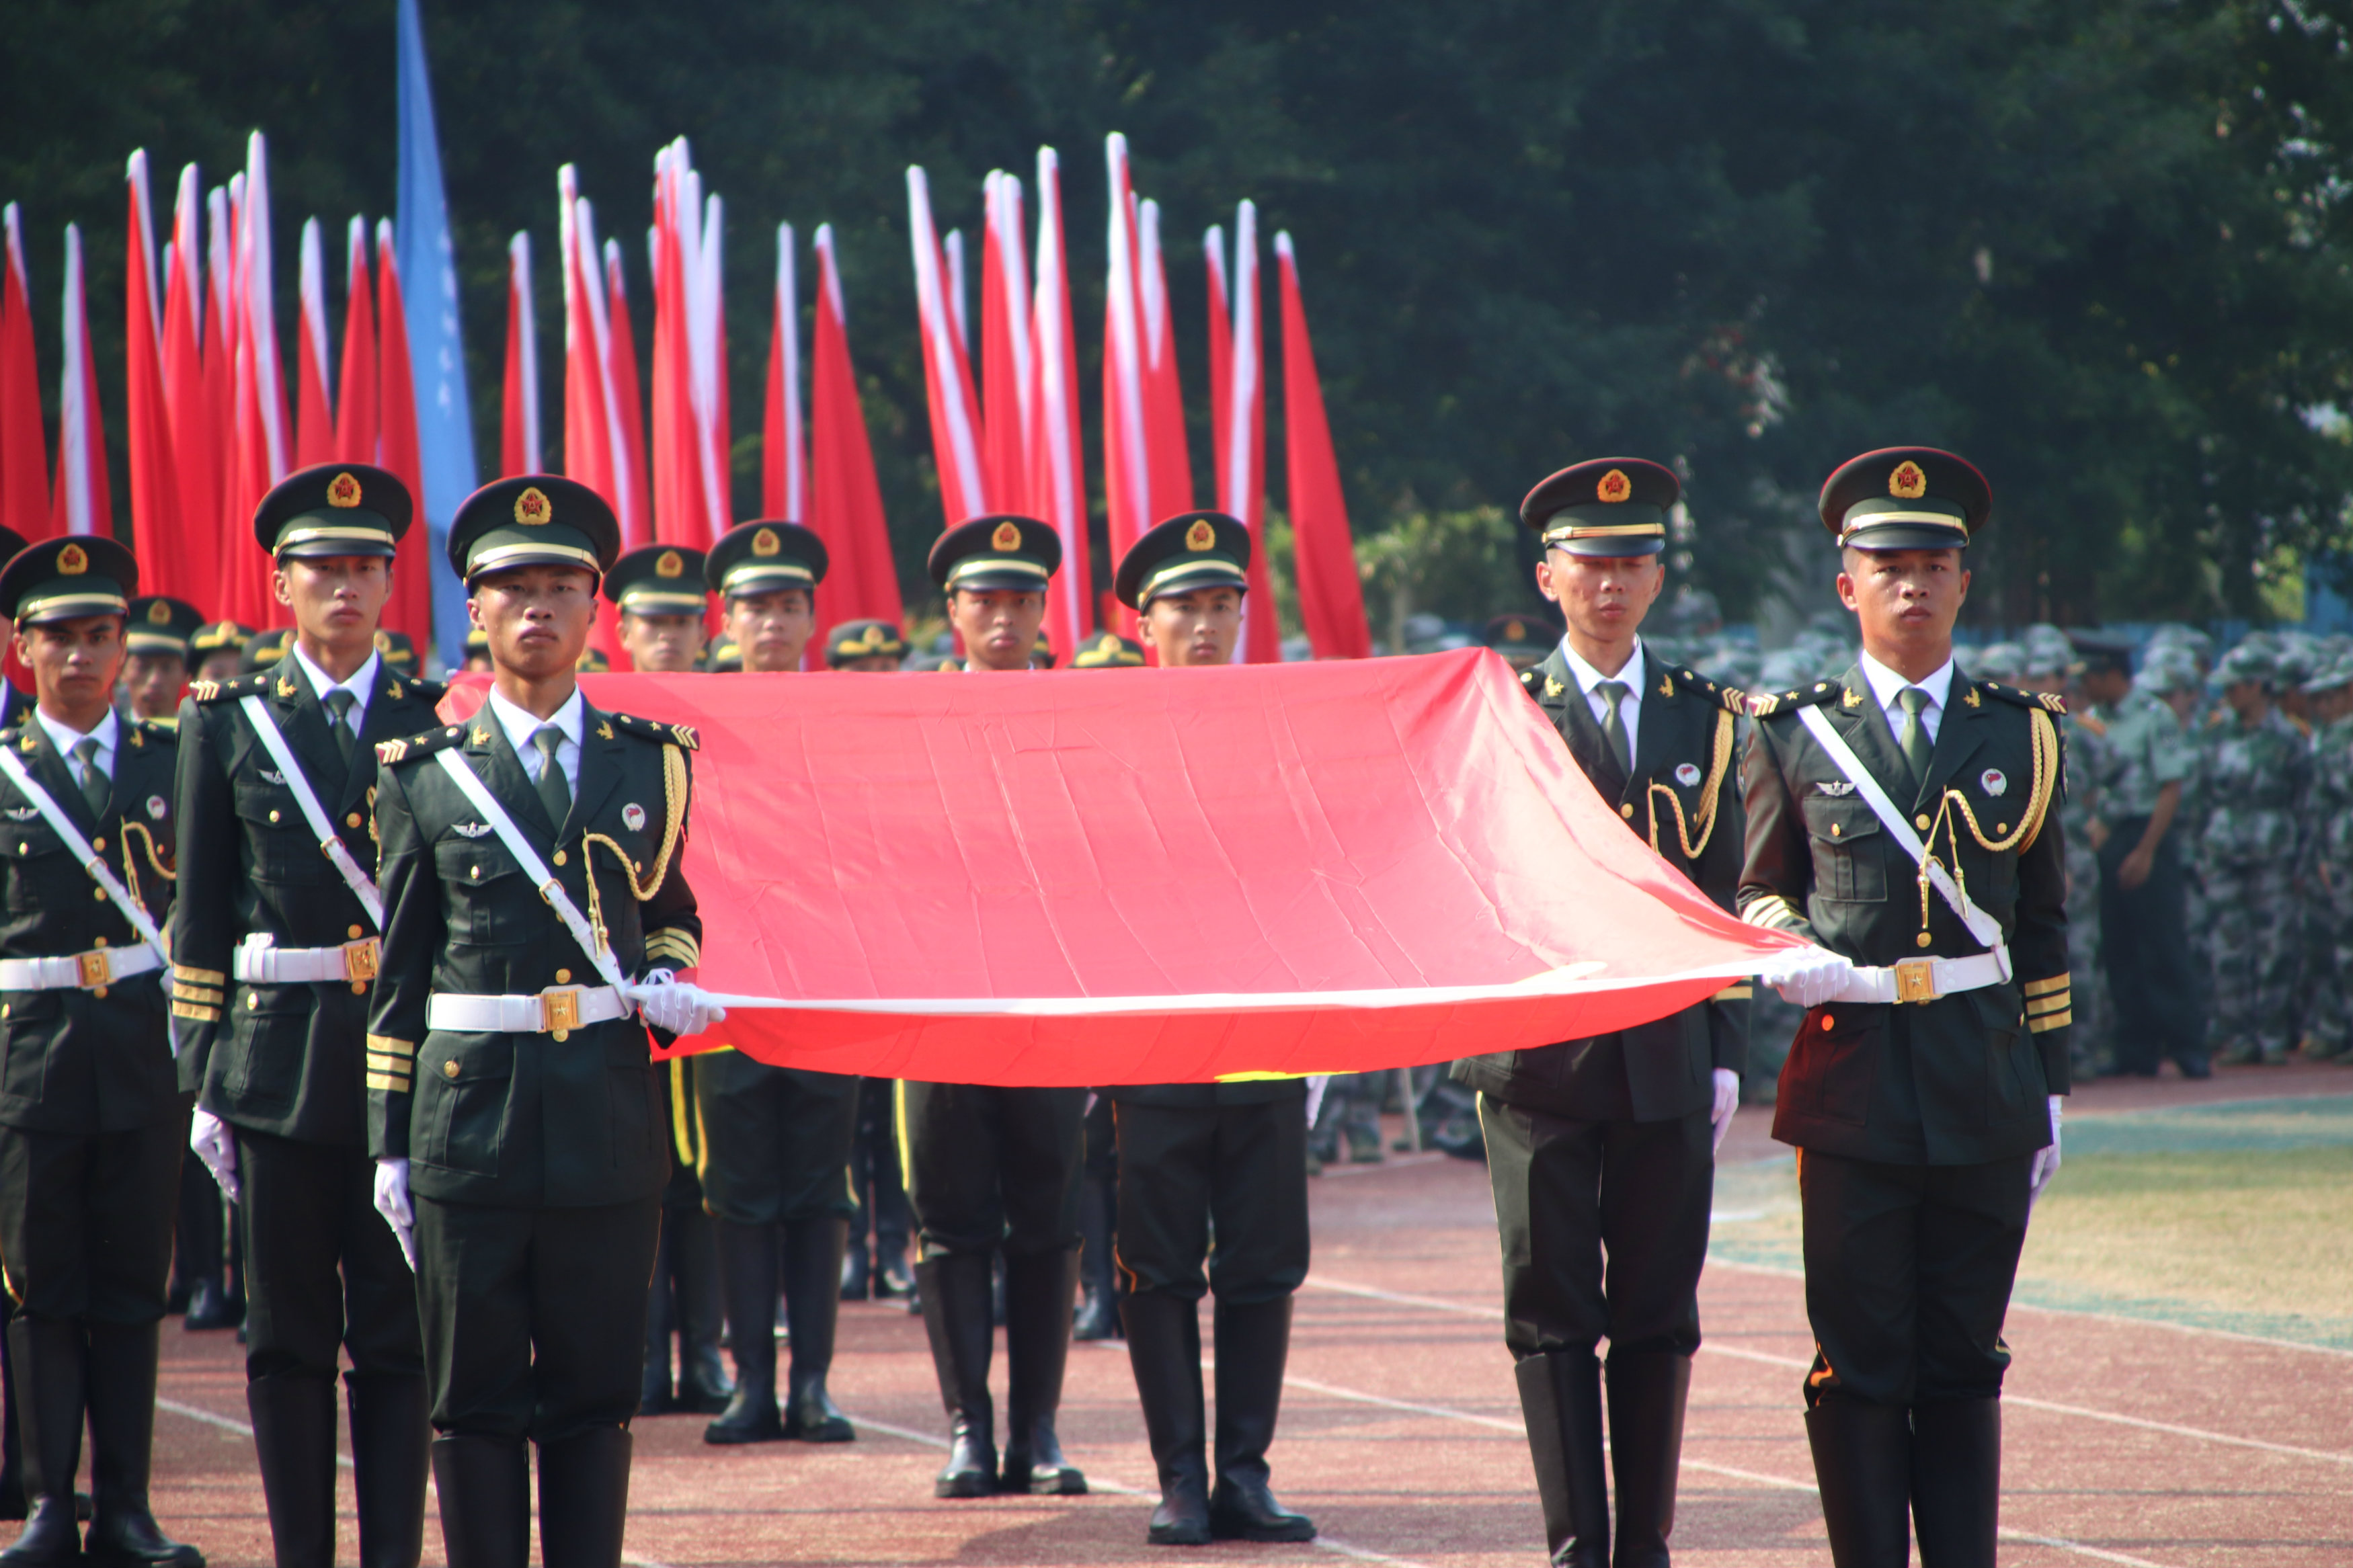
(1630,705)
(65,737)
(1885,684)
(520,726)
(361,682)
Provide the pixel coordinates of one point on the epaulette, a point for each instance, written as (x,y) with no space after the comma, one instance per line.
(418,686)
(423,745)
(147,730)
(2049,701)
(252,685)
(678,735)
(1734,701)
(1765,704)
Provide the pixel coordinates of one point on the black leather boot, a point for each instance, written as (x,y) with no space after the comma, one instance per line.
(1957,1481)
(1254,1346)
(703,1387)
(747,1269)
(583,1499)
(484,1484)
(812,1270)
(1560,1401)
(1648,1391)
(392,1431)
(1037,1294)
(954,1291)
(47,1355)
(122,1398)
(12,1461)
(1164,1350)
(1862,1464)
(294,1441)
(653,1381)
(1098,1316)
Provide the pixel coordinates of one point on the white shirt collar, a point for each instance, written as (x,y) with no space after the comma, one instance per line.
(1886,683)
(63,736)
(361,681)
(521,725)
(1587,678)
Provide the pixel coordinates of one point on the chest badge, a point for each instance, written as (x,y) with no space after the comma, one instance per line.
(471,830)
(156,809)
(1834,786)
(1687,773)
(633,816)
(269,778)
(1993,781)
(23,813)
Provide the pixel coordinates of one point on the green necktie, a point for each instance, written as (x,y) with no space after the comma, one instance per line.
(96,787)
(1613,723)
(1914,737)
(552,792)
(338,720)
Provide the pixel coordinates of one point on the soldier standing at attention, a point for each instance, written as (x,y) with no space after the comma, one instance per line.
(1923,1091)
(870,647)
(659,591)
(2330,806)
(217,650)
(535,919)
(156,635)
(1199,1157)
(1607,1147)
(989,1167)
(2249,858)
(776,1170)
(92,1125)
(276,775)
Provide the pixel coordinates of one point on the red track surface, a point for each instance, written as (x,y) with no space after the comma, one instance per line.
(2127,1443)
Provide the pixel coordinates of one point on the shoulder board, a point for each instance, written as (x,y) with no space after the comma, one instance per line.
(432,740)
(2049,701)
(1765,704)
(678,735)
(1732,698)
(417,688)
(252,685)
(157,729)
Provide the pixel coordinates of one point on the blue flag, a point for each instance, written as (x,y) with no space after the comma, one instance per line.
(429,272)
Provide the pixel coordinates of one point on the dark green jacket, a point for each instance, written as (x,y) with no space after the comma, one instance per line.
(510,1120)
(1682,794)
(1964,1079)
(281,1060)
(85,1061)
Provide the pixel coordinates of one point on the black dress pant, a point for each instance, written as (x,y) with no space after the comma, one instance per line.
(2145,947)
(1908,1272)
(86,1220)
(874,1175)
(989,1167)
(324,1271)
(1604,1228)
(534,1320)
(776,1142)
(1223,1184)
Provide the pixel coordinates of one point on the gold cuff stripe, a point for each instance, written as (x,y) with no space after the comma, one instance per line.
(190,1010)
(2040,1005)
(670,943)
(212,977)
(1733,993)
(2045,987)
(1773,912)
(391,1047)
(2048,1022)
(392,1067)
(388,1083)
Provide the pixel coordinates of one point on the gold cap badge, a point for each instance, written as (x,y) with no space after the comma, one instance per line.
(1614,487)
(1907,482)
(1006,537)
(1201,535)
(670,563)
(871,638)
(766,543)
(533,507)
(159,613)
(73,561)
(1515,632)
(343,491)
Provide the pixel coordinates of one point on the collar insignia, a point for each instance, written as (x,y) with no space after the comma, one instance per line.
(1972,698)
(1666,686)
(1851,699)
(604,730)
(482,734)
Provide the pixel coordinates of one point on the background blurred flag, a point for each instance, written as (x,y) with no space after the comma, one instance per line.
(519,416)
(1331,595)
(411,607)
(23,444)
(195,564)
(79,502)
(155,531)
(315,421)
(947,376)
(355,391)
(845,501)
(783,473)
(1056,475)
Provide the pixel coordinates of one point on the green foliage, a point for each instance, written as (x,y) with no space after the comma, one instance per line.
(1452,564)
(2100,248)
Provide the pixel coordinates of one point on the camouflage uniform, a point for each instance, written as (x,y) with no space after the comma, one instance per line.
(2256,780)
(2330,883)
(2089,1042)
(2155,987)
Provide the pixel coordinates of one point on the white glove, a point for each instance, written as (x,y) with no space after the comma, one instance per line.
(673,1007)
(209,1136)
(1813,977)
(1728,1100)
(2046,1161)
(392,1202)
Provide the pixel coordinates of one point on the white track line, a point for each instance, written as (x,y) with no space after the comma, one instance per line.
(2027,1401)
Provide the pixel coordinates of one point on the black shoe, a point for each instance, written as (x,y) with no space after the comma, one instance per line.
(121,1374)
(857,1276)
(1098,1319)
(1957,1481)
(1164,1350)
(1037,1293)
(954,1291)
(1181,1518)
(209,1306)
(2193,1068)
(484,1484)
(812,1275)
(294,1443)
(583,1498)
(1253,1344)
(892,1281)
(748,1270)
(1863,1466)
(45,1359)
(1560,1401)
(1648,1392)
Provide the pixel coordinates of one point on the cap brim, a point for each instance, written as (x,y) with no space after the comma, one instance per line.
(323,546)
(1610,545)
(1906,536)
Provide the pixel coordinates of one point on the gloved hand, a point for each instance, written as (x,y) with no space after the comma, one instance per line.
(671,1006)
(392,1202)
(1813,977)
(213,1143)
(2046,1161)
(1728,1100)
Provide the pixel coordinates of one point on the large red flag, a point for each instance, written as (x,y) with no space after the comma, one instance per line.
(155,533)
(410,608)
(79,502)
(314,420)
(187,404)
(1057,477)
(23,446)
(1168,876)
(845,501)
(355,391)
(1007,387)
(519,411)
(1331,595)
(783,471)
(947,377)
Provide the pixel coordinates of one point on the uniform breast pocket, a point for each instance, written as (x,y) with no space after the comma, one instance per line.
(24,844)
(490,900)
(1850,850)
(283,851)
(462,1085)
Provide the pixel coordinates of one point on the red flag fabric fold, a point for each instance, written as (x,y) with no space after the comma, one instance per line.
(23,444)
(784,466)
(956,433)
(519,407)
(187,406)
(1331,595)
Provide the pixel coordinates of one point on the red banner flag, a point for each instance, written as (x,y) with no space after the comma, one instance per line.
(1164,392)
(628,402)
(1331,595)
(519,410)
(1237,376)
(80,501)
(1007,387)
(845,501)
(947,377)
(410,608)
(355,390)
(1127,464)
(784,468)
(314,420)
(1047,881)
(188,407)
(155,534)
(1057,484)
(23,444)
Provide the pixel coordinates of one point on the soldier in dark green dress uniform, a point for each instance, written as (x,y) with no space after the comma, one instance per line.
(92,1121)
(1604,1150)
(271,932)
(989,1168)
(1108,650)
(157,634)
(868,647)
(1923,1091)
(214,650)
(776,1167)
(1198,1158)
(536,918)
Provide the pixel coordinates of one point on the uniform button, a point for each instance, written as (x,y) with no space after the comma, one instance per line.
(353,820)
(477,872)
(1920,940)
(561,1035)
(253,999)
(353,931)
(99,844)
(99,893)
(359,987)
(563,977)
(2001,828)
(98,990)
(1626,810)
(99,942)
(1834,830)
(559,856)
(450,1069)
(6,1009)
(1826,1023)
(1921,822)
(273,814)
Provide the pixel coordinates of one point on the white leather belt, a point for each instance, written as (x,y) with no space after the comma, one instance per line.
(1925,979)
(356,962)
(556,1011)
(87,970)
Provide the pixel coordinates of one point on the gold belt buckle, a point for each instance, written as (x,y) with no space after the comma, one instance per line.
(97,969)
(559,1011)
(360,958)
(1915,980)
